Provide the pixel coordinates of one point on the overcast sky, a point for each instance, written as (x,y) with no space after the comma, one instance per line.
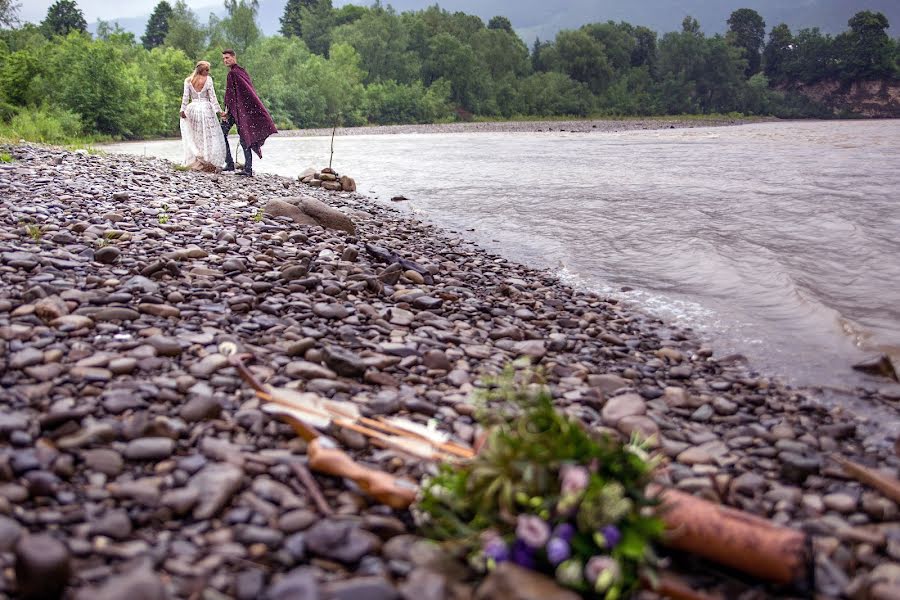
(36,10)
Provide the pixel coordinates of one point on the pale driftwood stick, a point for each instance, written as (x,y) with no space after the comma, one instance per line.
(885,484)
(313,488)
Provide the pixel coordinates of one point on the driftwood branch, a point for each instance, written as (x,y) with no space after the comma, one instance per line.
(312,487)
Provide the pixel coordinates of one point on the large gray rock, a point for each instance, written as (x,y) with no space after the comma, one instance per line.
(309,211)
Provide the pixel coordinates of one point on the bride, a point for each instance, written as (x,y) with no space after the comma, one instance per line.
(201,134)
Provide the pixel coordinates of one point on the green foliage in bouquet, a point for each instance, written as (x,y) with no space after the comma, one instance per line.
(548,495)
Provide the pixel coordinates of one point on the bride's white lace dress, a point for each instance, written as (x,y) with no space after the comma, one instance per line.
(201,133)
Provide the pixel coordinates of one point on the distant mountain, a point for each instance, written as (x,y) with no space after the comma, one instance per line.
(539,18)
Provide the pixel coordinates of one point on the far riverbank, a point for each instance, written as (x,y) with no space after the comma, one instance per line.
(539,126)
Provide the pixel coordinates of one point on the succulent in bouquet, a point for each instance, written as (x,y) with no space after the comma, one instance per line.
(547,495)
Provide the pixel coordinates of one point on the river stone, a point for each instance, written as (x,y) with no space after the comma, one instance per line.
(511,582)
(248,585)
(880,366)
(164,345)
(608,384)
(42,567)
(208,365)
(343,362)
(107,255)
(216,484)
(839,502)
(797,467)
(151,448)
(26,358)
(305,210)
(300,584)
(619,407)
(103,460)
(306,370)
(370,588)
(10,532)
(116,313)
(180,501)
(297,520)
(140,584)
(199,408)
(531,348)
(69,323)
(50,308)
(342,541)
(10,422)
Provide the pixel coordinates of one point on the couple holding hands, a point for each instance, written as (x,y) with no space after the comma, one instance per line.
(204,127)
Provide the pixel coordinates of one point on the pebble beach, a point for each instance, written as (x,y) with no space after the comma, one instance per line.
(135,463)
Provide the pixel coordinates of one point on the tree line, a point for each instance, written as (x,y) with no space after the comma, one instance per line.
(368,64)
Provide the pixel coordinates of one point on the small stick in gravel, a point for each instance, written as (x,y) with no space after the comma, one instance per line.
(312,487)
(888,486)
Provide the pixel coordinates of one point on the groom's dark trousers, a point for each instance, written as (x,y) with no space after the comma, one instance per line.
(248,154)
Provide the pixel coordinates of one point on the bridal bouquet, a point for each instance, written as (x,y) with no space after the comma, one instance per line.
(547,495)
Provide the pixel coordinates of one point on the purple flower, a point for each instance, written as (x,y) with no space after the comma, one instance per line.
(612,536)
(533,531)
(564,531)
(523,555)
(575,479)
(601,572)
(558,550)
(497,550)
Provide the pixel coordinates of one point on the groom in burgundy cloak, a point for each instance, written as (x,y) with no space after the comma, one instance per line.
(244,109)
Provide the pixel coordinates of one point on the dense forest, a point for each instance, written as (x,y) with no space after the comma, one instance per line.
(355,65)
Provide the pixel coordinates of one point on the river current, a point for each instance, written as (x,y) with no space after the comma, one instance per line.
(778,241)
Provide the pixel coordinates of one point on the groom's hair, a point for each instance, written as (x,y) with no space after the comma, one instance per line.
(228,51)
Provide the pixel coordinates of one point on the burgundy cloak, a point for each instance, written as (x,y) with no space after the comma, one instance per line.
(254,123)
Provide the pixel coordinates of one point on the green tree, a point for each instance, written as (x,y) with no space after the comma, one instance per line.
(584,59)
(866,49)
(777,53)
(9,13)
(618,42)
(185,31)
(699,74)
(550,94)
(157,26)
(382,42)
(63,17)
(239,27)
(318,24)
(813,57)
(747,30)
(93,79)
(292,18)
(501,23)
(644,53)
(544,56)
(503,52)
(452,60)
(114,33)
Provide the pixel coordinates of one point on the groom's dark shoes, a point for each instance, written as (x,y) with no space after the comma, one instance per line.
(229,166)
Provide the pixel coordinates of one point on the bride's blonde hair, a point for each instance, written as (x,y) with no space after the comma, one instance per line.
(199,67)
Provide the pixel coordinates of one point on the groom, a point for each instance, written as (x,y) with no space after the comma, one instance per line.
(244,109)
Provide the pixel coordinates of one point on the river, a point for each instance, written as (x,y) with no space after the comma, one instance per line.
(778,241)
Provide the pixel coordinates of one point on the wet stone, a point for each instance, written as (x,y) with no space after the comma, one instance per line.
(42,566)
(339,540)
(153,448)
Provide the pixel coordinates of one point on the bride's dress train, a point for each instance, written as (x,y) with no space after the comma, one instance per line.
(201,133)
